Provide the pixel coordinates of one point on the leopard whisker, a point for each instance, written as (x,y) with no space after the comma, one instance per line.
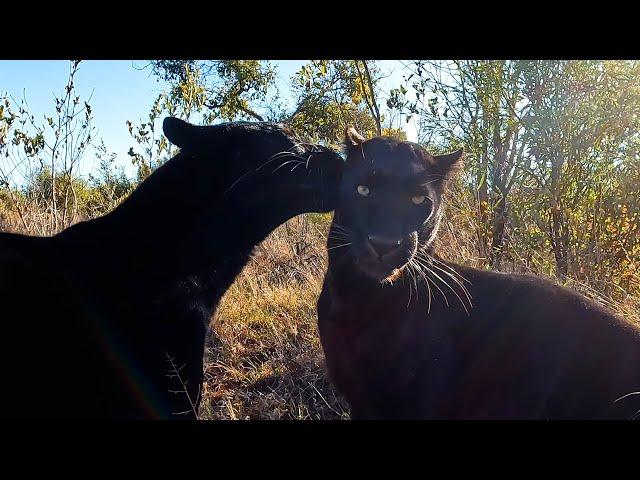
(458,274)
(426,281)
(286,163)
(277,156)
(449,286)
(431,272)
(274,157)
(408,270)
(338,246)
(462,287)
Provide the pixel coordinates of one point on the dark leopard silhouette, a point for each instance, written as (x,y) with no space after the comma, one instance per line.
(408,335)
(108,318)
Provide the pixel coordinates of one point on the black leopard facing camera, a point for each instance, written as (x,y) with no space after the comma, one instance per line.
(408,335)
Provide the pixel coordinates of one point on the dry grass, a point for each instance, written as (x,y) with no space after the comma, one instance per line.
(457,244)
(263,358)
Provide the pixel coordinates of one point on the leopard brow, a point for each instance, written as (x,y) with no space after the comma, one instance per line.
(415,181)
(421,181)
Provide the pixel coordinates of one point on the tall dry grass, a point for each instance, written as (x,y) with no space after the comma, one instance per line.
(263,358)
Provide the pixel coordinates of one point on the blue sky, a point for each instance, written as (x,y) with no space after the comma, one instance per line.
(121,89)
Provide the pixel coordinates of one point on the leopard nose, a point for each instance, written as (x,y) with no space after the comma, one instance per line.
(384,245)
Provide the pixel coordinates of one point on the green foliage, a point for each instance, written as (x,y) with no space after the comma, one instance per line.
(226,89)
(213,90)
(395,133)
(42,158)
(551,161)
(331,96)
(108,186)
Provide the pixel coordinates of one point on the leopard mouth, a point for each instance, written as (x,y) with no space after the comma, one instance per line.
(381,273)
(383,270)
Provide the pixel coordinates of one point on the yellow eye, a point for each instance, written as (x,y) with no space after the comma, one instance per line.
(363,190)
(418,199)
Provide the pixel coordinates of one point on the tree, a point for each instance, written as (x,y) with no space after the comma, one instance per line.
(334,94)
(328,95)
(551,148)
(226,89)
(584,115)
(42,158)
(479,104)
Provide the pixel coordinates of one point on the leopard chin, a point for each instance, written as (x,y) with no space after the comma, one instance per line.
(395,275)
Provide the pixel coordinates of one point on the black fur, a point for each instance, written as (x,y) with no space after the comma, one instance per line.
(401,344)
(96,319)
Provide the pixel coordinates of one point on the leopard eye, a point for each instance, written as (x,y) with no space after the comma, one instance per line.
(363,190)
(418,199)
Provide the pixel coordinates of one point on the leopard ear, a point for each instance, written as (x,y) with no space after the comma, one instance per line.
(448,163)
(352,138)
(179,132)
(353,144)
